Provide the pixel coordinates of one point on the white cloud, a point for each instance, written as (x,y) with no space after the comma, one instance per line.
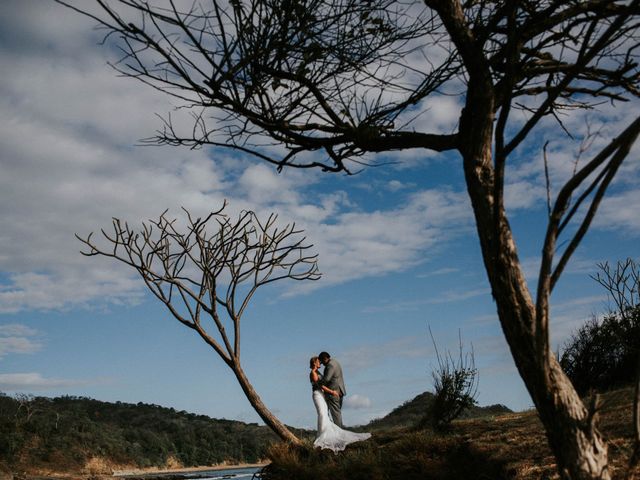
(261,182)
(620,211)
(371,355)
(523,195)
(360,244)
(16,329)
(592,130)
(415,305)
(440,114)
(440,271)
(356,402)
(15,338)
(397,185)
(69,286)
(29,382)
(17,345)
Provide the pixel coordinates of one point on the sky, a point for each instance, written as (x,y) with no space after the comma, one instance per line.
(396,243)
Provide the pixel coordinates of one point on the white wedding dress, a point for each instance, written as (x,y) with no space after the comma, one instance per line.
(330,435)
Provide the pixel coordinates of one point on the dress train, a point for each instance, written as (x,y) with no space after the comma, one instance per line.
(330,435)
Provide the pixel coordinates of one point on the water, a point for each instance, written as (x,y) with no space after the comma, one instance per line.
(231,473)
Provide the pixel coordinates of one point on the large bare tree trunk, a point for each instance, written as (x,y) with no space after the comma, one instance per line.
(579,448)
(265,414)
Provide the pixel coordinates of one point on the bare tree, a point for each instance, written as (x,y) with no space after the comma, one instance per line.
(28,404)
(336,81)
(622,283)
(207,273)
(623,286)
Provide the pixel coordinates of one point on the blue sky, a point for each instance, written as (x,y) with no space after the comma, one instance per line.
(396,244)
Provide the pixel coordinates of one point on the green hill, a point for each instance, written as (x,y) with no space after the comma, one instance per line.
(412,412)
(66,434)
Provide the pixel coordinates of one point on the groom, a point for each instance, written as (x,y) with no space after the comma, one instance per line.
(332,378)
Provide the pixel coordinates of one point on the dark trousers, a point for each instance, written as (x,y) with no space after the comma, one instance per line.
(335,408)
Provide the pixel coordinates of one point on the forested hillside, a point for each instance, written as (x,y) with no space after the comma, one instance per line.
(65,433)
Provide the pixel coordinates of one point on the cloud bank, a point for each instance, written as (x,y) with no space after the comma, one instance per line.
(69,163)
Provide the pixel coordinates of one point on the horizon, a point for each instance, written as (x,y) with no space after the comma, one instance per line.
(16,396)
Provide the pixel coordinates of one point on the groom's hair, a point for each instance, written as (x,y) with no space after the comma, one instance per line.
(324,356)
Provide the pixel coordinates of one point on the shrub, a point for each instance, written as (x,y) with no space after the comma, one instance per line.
(602,354)
(455,387)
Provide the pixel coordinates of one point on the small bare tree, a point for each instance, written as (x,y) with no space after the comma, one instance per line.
(621,283)
(207,273)
(26,405)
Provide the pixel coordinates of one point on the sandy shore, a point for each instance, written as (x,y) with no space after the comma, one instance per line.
(178,471)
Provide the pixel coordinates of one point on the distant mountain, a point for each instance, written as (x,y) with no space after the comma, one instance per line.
(413,411)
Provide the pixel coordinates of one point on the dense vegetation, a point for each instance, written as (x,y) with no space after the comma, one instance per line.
(64,433)
(603,354)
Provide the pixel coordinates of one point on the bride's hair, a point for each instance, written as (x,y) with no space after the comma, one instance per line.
(312,361)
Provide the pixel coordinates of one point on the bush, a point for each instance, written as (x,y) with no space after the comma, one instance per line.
(455,387)
(602,355)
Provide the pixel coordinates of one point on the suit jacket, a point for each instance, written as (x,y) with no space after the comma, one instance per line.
(332,377)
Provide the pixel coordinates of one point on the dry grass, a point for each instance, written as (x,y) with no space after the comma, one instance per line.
(510,446)
(520,441)
(397,455)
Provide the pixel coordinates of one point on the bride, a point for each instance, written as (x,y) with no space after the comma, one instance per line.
(329,434)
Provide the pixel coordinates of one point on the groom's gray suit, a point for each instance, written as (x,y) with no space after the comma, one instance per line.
(332,378)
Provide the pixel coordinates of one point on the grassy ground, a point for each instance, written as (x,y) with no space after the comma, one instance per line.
(511,446)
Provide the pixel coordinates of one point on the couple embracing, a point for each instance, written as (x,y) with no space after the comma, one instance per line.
(328,391)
